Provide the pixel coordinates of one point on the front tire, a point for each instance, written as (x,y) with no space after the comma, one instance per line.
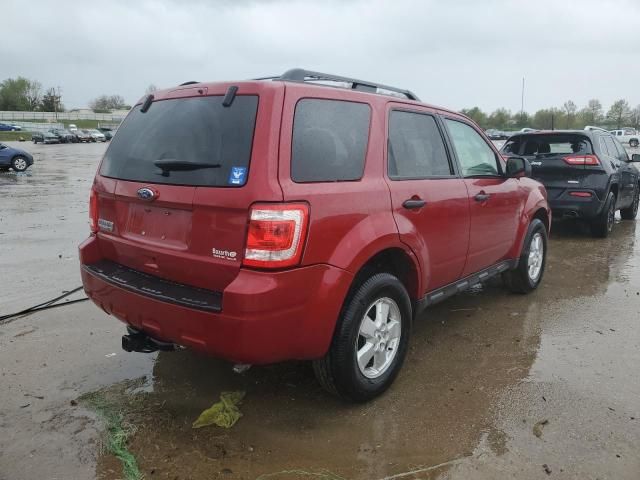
(633,143)
(528,274)
(370,341)
(602,225)
(630,212)
(19,163)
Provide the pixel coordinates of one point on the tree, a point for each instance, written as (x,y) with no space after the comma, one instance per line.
(500,119)
(547,118)
(476,115)
(635,117)
(13,94)
(619,113)
(106,103)
(522,119)
(570,109)
(34,94)
(51,101)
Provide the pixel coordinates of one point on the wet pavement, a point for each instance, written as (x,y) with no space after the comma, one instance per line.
(495,385)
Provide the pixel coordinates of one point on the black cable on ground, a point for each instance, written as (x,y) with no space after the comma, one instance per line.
(43,306)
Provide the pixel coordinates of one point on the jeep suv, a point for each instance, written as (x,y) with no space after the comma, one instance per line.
(587,173)
(307,216)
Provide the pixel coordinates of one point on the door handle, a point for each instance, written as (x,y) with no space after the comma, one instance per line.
(482,197)
(414,203)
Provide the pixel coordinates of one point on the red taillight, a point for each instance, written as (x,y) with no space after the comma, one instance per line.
(93,211)
(582,160)
(580,194)
(276,235)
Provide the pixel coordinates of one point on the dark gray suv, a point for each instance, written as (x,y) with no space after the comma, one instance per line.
(587,173)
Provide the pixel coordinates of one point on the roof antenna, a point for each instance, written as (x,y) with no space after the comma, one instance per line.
(146,104)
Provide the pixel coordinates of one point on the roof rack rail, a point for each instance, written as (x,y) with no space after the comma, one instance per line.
(302,75)
(190,82)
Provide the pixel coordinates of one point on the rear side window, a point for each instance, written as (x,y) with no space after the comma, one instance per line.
(416,148)
(329,140)
(197,142)
(613,152)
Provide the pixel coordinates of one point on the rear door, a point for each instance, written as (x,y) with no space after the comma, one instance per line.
(495,201)
(429,199)
(186,172)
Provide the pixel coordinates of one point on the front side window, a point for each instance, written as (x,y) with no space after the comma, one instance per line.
(329,140)
(415,148)
(475,156)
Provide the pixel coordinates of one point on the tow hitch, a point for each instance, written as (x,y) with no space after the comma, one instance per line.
(136,341)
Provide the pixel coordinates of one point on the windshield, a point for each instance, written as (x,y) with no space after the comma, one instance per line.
(190,130)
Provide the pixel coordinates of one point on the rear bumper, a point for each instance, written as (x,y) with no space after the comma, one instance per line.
(265,317)
(576,207)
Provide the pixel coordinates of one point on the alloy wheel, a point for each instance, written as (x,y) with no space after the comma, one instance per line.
(378,337)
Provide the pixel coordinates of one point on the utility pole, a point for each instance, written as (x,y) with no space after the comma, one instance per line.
(522,102)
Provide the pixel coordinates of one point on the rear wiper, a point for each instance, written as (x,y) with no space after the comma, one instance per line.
(169,164)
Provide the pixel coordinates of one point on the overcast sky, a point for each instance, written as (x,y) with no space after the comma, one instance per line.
(453,53)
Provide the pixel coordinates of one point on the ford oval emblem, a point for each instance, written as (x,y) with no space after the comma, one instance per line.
(146,194)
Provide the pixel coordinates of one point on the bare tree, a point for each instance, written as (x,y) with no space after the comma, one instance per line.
(570,109)
(33,94)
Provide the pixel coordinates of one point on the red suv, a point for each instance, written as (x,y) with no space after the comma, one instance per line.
(307,216)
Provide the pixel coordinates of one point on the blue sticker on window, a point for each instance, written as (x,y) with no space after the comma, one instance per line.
(237,176)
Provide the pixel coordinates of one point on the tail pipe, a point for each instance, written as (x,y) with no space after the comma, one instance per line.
(137,341)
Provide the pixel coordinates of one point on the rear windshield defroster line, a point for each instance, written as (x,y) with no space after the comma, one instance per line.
(185,132)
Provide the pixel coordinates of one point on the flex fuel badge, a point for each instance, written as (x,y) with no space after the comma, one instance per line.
(237,176)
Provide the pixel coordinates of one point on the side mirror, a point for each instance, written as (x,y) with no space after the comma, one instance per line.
(635,157)
(518,167)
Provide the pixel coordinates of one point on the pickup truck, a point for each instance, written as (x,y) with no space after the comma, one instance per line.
(626,136)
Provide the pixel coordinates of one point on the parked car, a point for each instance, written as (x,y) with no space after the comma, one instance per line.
(44,137)
(83,136)
(628,136)
(15,158)
(587,174)
(286,223)
(494,134)
(4,127)
(65,136)
(72,127)
(96,136)
(107,132)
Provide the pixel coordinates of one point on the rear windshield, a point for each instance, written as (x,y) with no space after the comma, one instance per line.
(540,146)
(196,140)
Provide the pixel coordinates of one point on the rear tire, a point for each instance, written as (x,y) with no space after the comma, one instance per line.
(602,225)
(528,274)
(630,212)
(370,341)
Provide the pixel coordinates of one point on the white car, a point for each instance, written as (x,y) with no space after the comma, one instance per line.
(97,136)
(72,127)
(626,135)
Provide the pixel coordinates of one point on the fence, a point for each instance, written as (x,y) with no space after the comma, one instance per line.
(115,117)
